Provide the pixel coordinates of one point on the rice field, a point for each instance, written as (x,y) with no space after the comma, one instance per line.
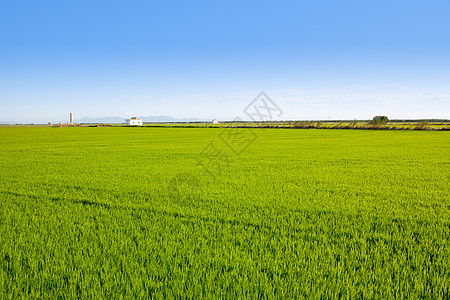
(223,213)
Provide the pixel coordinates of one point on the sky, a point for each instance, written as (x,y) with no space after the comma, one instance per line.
(320,59)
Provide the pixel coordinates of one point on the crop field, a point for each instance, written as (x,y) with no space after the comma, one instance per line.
(223,213)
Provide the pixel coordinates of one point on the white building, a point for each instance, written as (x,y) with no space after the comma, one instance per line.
(134,121)
(215,121)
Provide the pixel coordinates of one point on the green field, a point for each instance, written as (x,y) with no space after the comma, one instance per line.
(306,213)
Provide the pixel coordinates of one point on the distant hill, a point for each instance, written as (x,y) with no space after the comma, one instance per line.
(144,119)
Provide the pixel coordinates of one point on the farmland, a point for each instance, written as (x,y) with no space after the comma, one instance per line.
(192,212)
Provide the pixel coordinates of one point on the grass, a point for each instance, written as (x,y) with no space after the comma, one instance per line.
(129,212)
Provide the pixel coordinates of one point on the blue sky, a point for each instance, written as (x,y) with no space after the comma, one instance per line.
(209,59)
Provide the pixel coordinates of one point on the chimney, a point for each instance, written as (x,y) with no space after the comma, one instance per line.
(71,119)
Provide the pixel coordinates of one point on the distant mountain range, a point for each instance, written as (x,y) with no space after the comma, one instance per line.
(144,119)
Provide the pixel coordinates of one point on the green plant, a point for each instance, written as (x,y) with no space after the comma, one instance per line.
(423,125)
(114,212)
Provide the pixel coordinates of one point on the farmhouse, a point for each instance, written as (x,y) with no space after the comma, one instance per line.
(215,121)
(134,121)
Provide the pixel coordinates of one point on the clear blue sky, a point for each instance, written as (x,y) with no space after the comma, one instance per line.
(209,59)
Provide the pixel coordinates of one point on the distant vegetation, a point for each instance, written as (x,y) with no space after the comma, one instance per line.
(383,124)
(380,120)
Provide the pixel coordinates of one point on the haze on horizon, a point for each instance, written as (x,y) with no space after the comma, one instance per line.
(199,59)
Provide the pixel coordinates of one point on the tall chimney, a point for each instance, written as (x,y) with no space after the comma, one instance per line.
(71,119)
